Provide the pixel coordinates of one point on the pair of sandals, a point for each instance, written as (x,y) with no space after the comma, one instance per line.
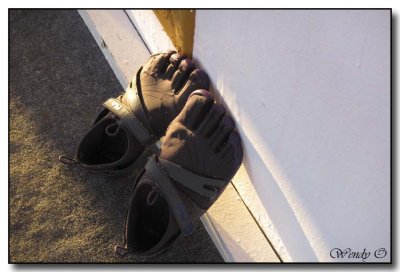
(200,151)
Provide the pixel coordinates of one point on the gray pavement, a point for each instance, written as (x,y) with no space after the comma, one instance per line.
(58,80)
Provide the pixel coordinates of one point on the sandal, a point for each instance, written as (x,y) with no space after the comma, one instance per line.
(131,123)
(199,155)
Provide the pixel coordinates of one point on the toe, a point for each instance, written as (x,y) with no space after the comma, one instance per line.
(181,76)
(232,151)
(157,64)
(221,134)
(196,109)
(198,79)
(210,123)
(174,62)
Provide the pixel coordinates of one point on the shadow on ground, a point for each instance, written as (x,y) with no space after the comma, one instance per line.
(58,80)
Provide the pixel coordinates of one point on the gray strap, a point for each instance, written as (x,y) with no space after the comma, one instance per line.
(129,121)
(204,186)
(171,194)
(134,100)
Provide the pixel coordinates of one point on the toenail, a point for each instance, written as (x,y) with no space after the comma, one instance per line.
(186,63)
(201,92)
(200,74)
(175,57)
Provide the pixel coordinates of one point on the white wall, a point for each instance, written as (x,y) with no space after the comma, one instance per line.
(118,40)
(310,91)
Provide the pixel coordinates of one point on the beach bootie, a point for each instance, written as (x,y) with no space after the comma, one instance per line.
(134,121)
(199,155)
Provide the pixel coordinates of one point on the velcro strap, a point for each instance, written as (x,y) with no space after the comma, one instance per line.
(171,194)
(134,101)
(201,185)
(129,121)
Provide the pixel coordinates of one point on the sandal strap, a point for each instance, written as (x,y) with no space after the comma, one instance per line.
(128,114)
(128,119)
(135,100)
(204,186)
(171,194)
(162,171)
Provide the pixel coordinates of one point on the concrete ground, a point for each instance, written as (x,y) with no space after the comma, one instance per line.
(58,80)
